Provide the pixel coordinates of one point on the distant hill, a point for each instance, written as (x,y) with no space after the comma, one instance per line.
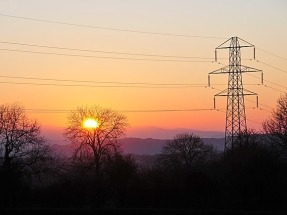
(218,143)
(139,146)
(152,146)
(162,133)
(55,135)
(147,146)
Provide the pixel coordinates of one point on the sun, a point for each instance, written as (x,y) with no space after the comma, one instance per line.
(90,123)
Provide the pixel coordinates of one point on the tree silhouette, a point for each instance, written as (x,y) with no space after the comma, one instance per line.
(95,145)
(21,144)
(276,126)
(24,153)
(251,174)
(186,151)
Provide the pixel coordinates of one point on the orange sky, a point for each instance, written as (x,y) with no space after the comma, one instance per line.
(262,23)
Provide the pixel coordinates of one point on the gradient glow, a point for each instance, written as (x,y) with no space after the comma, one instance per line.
(262,23)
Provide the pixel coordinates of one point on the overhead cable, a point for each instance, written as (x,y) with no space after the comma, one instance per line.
(105,57)
(100,51)
(110,29)
(123,111)
(99,86)
(275,55)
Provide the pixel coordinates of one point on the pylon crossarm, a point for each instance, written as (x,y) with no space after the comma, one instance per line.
(228,47)
(249,69)
(250,45)
(222,93)
(220,71)
(223,70)
(221,45)
(249,93)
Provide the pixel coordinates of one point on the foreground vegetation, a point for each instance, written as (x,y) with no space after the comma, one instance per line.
(187,174)
(251,178)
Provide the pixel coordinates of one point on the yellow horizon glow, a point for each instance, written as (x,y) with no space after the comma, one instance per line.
(90,123)
(135,85)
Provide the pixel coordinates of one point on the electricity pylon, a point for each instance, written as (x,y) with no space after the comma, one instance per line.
(235,127)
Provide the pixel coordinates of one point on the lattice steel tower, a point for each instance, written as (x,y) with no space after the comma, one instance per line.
(235,111)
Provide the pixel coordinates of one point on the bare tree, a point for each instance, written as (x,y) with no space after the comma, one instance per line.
(21,143)
(276,126)
(94,145)
(186,151)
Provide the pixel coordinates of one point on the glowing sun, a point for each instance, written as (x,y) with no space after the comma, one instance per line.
(90,123)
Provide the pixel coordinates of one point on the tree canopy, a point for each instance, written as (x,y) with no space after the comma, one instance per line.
(276,126)
(21,142)
(94,144)
(186,151)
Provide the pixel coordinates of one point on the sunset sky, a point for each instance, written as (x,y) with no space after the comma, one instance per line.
(171,49)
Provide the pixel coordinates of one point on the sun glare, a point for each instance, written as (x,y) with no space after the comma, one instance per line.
(90,123)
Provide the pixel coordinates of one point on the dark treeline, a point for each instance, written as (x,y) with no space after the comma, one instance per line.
(187,173)
(251,177)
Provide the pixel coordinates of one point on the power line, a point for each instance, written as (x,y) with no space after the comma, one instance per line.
(99,86)
(109,86)
(275,55)
(250,120)
(123,111)
(279,85)
(107,82)
(260,104)
(278,90)
(273,88)
(274,67)
(268,80)
(104,57)
(110,29)
(115,84)
(265,110)
(246,119)
(140,111)
(59,111)
(100,51)
(98,82)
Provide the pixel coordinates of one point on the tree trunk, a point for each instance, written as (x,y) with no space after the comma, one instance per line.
(7,160)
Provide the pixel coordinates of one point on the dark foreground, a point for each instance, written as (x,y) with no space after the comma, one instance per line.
(132,212)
